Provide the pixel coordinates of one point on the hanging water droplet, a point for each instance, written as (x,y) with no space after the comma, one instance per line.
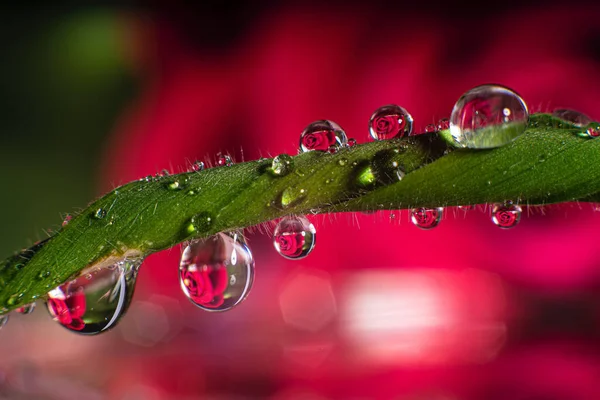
(3,320)
(223,160)
(282,165)
(210,279)
(91,306)
(200,223)
(294,237)
(443,124)
(100,213)
(321,135)
(67,219)
(488,116)
(391,121)
(426,218)
(26,309)
(506,215)
(197,166)
(574,117)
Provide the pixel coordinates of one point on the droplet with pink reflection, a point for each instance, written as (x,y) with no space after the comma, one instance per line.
(389,122)
(216,273)
(322,135)
(506,215)
(294,237)
(426,218)
(95,301)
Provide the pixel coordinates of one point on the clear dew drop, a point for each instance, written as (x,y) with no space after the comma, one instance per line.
(574,117)
(223,160)
(351,142)
(210,279)
(443,124)
(3,320)
(592,132)
(506,215)
(294,237)
(321,135)
(26,309)
(292,196)
(426,218)
(282,165)
(99,213)
(91,306)
(488,116)
(197,166)
(389,122)
(387,166)
(200,223)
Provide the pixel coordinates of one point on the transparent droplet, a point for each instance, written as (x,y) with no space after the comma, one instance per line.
(223,160)
(387,166)
(506,215)
(292,196)
(294,237)
(488,116)
(321,135)
(443,124)
(351,142)
(91,306)
(210,279)
(200,223)
(3,320)
(391,121)
(333,149)
(574,117)
(100,213)
(593,131)
(197,166)
(426,218)
(26,309)
(282,165)
(430,128)
(67,219)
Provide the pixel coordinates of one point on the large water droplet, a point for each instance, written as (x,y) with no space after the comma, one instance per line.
(506,215)
(426,218)
(210,279)
(389,122)
(294,237)
(321,135)
(26,309)
(91,306)
(574,117)
(488,116)
(3,320)
(282,165)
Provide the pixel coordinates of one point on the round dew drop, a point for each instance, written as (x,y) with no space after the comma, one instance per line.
(321,135)
(224,160)
(506,215)
(574,117)
(216,273)
(488,116)
(426,218)
(389,122)
(91,306)
(294,237)
(282,165)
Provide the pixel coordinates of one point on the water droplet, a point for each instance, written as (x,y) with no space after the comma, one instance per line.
(488,116)
(223,160)
(26,309)
(174,185)
(593,132)
(387,166)
(292,196)
(351,142)
(206,271)
(282,165)
(506,215)
(3,320)
(294,237)
(430,128)
(333,149)
(43,274)
(574,117)
(389,122)
(91,306)
(426,218)
(443,124)
(100,213)
(200,223)
(321,135)
(342,161)
(67,219)
(197,166)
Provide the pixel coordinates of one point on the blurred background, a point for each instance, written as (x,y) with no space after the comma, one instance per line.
(93,96)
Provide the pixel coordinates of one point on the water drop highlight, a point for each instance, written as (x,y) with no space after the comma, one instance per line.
(506,215)
(294,237)
(426,218)
(488,116)
(223,160)
(389,122)
(211,277)
(321,135)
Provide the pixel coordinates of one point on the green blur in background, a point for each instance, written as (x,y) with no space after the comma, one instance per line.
(63,84)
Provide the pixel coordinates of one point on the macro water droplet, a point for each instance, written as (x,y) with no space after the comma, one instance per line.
(321,135)
(223,160)
(333,149)
(210,279)
(282,165)
(100,213)
(426,218)
(342,161)
(67,219)
(3,320)
(574,117)
(197,166)
(488,116)
(443,124)
(292,196)
(294,237)
(43,274)
(351,142)
(430,128)
(389,122)
(91,306)
(26,309)
(506,215)
(200,223)
(174,185)
(593,131)
(387,166)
